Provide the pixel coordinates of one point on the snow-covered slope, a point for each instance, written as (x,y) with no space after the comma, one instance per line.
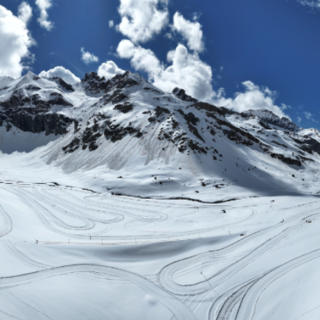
(128,127)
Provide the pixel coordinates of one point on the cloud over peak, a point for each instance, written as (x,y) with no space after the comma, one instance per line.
(141,20)
(62,73)
(186,71)
(109,69)
(255,98)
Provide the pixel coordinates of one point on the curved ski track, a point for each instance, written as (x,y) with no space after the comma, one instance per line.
(191,287)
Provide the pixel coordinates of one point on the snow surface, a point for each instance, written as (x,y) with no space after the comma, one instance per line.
(70,253)
(94,235)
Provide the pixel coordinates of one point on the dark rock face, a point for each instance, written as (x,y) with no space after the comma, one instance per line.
(19,101)
(181,94)
(124,108)
(311,145)
(124,81)
(94,84)
(233,133)
(160,111)
(29,113)
(295,162)
(49,123)
(66,86)
(72,146)
(116,133)
(270,118)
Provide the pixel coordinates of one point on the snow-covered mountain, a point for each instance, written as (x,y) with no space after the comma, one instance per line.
(128,125)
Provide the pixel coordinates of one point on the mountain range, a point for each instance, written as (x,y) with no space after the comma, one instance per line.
(128,125)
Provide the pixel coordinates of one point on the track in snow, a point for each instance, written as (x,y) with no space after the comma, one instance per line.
(194,260)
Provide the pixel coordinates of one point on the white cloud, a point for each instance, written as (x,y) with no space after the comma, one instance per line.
(111,23)
(62,73)
(310,3)
(299,119)
(186,71)
(255,98)
(190,31)
(15,41)
(141,59)
(109,69)
(88,57)
(196,16)
(43,6)
(308,115)
(24,12)
(189,72)
(142,19)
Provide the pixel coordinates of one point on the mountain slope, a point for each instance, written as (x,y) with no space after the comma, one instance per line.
(129,128)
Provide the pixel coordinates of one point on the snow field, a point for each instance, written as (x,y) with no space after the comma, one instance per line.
(162,259)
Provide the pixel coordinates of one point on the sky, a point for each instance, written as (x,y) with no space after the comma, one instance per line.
(241,54)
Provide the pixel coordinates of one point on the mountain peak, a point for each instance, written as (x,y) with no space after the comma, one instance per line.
(271,118)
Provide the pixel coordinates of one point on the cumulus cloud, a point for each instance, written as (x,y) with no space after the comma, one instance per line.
(189,72)
(186,71)
(109,69)
(15,41)
(190,31)
(141,59)
(254,98)
(62,73)
(111,23)
(24,12)
(141,20)
(43,6)
(88,57)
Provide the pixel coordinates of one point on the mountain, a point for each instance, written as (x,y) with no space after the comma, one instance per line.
(128,125)
(121,201)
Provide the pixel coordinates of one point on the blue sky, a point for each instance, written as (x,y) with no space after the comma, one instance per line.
(264,54)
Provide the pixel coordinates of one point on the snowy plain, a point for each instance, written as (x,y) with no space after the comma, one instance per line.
(71,253)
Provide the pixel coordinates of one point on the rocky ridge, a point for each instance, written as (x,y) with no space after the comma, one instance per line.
(97,113)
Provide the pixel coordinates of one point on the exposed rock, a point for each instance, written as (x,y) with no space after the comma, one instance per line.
(284,159)
(181,94)
(94,84)
(160,111)
(269,117)
(66,86)
(51,123)
(115,133)
(124,108)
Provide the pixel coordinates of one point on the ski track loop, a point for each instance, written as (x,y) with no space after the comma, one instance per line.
(179,310)
(251,297)
(183,300)
(5,223)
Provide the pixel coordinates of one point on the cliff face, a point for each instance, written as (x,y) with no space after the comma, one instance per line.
(31,104)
